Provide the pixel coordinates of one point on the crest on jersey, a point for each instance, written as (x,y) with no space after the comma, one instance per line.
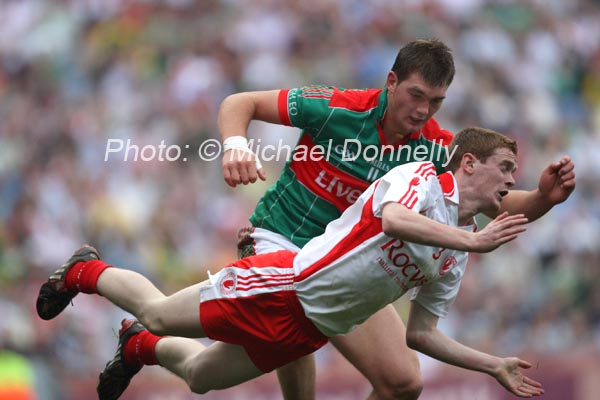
(227,283)
(448,264)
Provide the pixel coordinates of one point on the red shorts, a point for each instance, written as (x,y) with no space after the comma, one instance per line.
(253,303)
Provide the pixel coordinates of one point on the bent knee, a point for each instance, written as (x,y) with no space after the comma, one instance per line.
(153,321)
(196,379)
(400,387)
(198,387)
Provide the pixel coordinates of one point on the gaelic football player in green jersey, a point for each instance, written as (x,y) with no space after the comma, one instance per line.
(349,139)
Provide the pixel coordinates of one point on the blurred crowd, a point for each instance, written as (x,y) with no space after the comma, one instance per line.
(76,74)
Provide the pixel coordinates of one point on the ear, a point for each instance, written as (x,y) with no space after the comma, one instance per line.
(391,81)
(467,162)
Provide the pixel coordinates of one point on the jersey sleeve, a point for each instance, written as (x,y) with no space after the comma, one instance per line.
(409,185)
(306,107)
(438,296)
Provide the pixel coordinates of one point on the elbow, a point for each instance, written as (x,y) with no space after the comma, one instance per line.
(228,99)
(235,99)
(387,227)
(416,340)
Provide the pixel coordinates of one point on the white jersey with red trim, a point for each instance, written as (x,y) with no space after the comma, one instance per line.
(354,269)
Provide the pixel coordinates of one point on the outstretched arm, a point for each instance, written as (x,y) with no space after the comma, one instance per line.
(235,114)
(556,184)
(400,222)
(422,335)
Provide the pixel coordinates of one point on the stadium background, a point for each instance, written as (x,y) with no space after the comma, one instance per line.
(76,73)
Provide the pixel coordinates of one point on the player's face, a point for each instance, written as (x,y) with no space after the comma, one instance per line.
(410,103)
(494,178)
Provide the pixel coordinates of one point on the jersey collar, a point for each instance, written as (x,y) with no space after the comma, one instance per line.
(449,186)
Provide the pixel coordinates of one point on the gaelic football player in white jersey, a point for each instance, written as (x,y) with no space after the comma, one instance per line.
(411,230)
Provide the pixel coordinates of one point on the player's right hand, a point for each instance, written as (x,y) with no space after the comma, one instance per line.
(500,230)
(241,166)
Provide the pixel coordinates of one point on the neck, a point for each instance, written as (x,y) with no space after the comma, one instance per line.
(467,219)
(391,134)
(392,138)
(467,207)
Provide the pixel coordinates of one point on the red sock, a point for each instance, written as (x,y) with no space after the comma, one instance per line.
(83,276)
(140,349)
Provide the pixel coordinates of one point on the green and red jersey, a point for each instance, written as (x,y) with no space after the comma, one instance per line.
(346,125)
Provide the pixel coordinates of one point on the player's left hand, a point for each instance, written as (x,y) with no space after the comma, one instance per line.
(557,181)
(510,376)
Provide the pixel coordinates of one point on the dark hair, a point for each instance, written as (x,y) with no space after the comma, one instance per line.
(431,58)
(480,142)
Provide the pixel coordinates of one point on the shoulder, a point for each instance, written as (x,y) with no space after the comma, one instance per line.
(422,169)
(357,100)
(433,132)
(415,175)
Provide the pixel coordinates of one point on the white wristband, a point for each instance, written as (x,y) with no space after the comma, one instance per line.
(240,143)
(235,143)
